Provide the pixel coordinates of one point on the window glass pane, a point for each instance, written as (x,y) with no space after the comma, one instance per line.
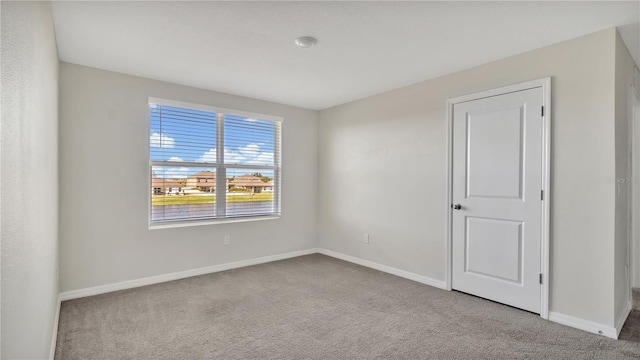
(179,134)
(181,193)
(250,192)
(184,148)
(249,141)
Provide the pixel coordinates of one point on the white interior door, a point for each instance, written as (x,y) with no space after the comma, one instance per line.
(496,192)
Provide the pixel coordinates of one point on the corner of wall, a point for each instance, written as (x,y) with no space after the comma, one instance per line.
(30,249)
(624,72)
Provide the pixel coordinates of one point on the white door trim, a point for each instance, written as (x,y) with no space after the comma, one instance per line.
(634,117)
(545,84)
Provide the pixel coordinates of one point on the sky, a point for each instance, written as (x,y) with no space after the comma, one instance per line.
(185,135)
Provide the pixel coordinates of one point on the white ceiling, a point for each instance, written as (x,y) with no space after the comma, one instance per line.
(364,48)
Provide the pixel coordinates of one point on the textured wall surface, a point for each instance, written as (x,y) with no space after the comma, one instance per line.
(388,155)
(29,189)
(104,175)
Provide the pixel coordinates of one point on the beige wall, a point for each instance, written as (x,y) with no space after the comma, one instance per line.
(29,189)
(104,175)
(624,72)
(383,159)
(378,167)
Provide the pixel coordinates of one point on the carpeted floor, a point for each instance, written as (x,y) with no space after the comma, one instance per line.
(316,307)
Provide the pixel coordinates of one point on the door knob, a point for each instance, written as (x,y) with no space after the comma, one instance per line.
(456,206)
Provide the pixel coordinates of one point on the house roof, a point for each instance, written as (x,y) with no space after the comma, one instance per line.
(162,182)
(246,180)
(250,180)
(203,175)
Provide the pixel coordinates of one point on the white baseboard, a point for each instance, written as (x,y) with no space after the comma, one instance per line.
(129,284)
(387,269)
(54,335)
(578,323)
(623,318)
(560,318)
(581,324)
(74,294)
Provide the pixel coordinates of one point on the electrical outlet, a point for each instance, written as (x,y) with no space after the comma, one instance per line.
(227,240)
(365,238)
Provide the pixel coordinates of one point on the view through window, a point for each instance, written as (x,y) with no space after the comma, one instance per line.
(208,163)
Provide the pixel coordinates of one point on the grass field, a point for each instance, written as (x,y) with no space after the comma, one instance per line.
(204,199)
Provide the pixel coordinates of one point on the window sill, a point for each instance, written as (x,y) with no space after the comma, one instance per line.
(179,224)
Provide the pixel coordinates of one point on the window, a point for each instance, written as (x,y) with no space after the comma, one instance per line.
(225,163)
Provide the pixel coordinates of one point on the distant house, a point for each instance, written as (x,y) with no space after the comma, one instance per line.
(161,186)
(252,183)
(204,181)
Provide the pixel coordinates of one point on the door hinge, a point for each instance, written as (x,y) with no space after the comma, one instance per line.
(540,278)
(542,111)
(541,194)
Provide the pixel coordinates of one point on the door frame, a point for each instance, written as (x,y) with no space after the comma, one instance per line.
(545,84)
(634,213)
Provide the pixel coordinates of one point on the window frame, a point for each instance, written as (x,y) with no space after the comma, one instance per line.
(219,167)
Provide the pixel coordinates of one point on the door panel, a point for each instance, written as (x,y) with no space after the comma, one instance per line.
(505,154)
(497,179)
(494,248)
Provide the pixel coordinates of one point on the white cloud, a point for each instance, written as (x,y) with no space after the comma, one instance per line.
(161,140)
(153,106)
(230,157)
(249,151)
(175,158)
(209,157)
(233,157)
(249,154)
(265,158)
(172,172)
(251,120)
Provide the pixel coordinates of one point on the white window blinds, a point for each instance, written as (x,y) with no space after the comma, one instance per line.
(208,163)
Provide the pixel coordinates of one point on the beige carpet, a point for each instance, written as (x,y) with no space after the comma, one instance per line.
(316,307)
